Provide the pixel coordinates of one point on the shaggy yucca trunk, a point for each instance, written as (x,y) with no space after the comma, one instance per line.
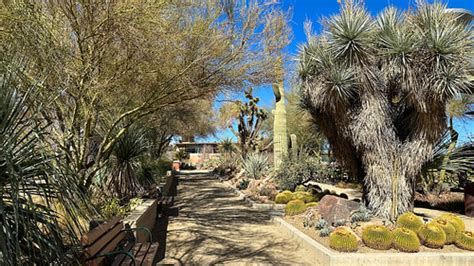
(378,89)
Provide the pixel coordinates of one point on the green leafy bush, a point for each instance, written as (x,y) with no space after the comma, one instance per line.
(405,240)
(295,207)
(343,240)
(410,221)
(255,165)
(377,237)
(432,236)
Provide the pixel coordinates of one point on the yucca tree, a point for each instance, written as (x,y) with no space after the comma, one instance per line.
(123,180)
(378,89)
(40,205)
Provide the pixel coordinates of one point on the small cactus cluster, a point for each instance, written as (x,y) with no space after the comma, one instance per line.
(320,224)
(325,232)
(410,221)
(283,197)
(340,222)
(304,196)
(361,215)
(377,237)
(341,239)
(465,240)
(295,207)
(405,240)
(433,236)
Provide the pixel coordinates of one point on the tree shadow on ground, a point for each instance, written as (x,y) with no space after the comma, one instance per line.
(212,216)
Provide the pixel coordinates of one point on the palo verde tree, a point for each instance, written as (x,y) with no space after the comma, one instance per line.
(378,89)
(106,65)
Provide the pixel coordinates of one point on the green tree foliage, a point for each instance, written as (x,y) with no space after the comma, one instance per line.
(378,89)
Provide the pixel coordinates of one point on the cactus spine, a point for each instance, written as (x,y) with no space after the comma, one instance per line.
(280,132)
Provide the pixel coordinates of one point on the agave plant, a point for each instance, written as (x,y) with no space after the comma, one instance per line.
(255,165)
(123,179)
(378,89)
(36,197)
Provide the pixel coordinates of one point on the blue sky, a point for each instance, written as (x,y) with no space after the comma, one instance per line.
(314,10)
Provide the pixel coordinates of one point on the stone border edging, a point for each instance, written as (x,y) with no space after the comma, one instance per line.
(326,256)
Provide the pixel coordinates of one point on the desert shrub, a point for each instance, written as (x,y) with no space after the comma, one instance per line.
(405,240)
(226,164)
(152,171)
(343,240)
(410,221)
(433,236)
(295,207)
(465,240)
(111,207)
(377,237)
(283,197)
(297,169)
(255,165)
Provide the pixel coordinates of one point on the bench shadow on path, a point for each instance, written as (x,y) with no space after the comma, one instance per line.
(216,217)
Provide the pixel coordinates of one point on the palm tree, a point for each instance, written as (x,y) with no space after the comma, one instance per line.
(378,89)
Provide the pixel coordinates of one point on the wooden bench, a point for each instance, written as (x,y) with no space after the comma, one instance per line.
(109,244)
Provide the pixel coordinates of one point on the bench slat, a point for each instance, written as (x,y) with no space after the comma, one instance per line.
(97,232)
(136,248)
(111,246)
(119,259)
(148,257)
(102,242)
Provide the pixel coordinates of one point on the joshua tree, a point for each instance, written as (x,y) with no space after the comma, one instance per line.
(378,89)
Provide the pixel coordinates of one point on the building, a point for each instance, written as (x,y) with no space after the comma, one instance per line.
(199,152)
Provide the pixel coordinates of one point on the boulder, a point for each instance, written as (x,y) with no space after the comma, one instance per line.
(332,208)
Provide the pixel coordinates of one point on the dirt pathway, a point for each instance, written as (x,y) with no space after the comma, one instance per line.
(215,227)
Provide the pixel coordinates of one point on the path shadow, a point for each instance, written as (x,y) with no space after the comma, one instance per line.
(216,217)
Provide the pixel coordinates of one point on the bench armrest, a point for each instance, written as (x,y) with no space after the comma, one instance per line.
(115,253)
(141,228)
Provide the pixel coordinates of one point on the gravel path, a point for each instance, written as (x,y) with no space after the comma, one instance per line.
(215,227)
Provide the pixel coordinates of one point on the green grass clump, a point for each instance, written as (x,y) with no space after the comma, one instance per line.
(304,196)
(311,204)
(432,236)
(410,221)
(455,220)
(448,229)
(295,207)
(283,197)
(300,188)
(343,240)
(377,237)
(405,240)
(465,240)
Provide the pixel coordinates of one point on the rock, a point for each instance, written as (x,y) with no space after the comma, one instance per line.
(332,208)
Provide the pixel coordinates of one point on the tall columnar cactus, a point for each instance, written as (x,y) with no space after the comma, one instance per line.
(280,132)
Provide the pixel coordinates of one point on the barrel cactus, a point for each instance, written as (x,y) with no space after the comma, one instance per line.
(410,221)
(455,220)
(311,204)
(432,236)
(405,240)
(343,240)
(304,196)
(377,237)
(300,188)
(295,207)
(465,240)
(448,229)
(283,197)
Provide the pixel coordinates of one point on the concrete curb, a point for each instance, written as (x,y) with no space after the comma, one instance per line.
(326,256)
